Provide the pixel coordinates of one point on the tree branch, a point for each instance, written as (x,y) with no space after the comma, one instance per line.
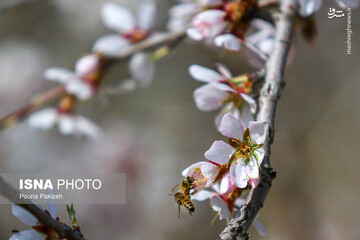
(269,96)
(13,196)
(55,93)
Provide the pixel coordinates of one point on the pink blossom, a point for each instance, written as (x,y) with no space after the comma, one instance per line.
(207,24)
(222,90)
(79,83)
(243,152)
(259,42)
(130,29)
(228,41)
(180,15)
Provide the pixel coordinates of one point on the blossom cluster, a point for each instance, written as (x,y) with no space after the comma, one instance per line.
(227,25)
(232,165)
(84,82)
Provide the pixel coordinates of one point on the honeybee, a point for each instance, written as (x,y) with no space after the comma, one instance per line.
(186,185)
(182,200)
(182,194)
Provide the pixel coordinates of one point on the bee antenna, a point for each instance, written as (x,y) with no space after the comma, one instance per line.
(171,194)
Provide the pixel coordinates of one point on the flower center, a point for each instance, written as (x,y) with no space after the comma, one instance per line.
(135,35)
(245,149)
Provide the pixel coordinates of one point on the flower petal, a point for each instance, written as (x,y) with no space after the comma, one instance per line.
(208,97)
(259,228)
(147,15)
(192,169)
(66,124)
(228,41)
(348,3)
(224,87)
(239,202)
(211,3)
(246,116)
(209,169)
(228,108)
(224,70)
(252,170)
(87,128)
(238,174)
(117,17)
(86,65)
(220,152)
(23,215)
(184,10)
(52,206)
(194,34)
(43,119)
(142,68)
(249,100)
(79,89)
(231,127)
(27,235)
(227,185)
(210,23)
(260,155)
(254,182)
(204,74)
(59,75)
(202,195)
(110,45)
(257,132)
(219,205)
(309,7)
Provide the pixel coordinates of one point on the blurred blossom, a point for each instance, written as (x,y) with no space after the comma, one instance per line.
(207,24)
(83,82)
(243,152)
(142,68)
(223,90)
(67,123)
(180,15)
(228,41)
(130,30)
(260,42)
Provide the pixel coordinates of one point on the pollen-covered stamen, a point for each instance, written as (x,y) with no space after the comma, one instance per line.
(245,149)
(241,84)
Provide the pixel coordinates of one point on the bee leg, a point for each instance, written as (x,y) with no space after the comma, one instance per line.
(179,211)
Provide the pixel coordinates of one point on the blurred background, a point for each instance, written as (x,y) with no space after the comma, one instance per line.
(152,134)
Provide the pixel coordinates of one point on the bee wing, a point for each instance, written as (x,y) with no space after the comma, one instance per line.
(176,188)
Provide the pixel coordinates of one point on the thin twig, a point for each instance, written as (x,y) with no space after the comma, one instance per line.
(47,97)
(13,195)
(269,96)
